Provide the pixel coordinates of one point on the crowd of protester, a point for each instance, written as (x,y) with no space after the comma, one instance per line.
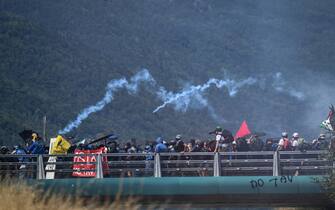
(224,144)
(223,141)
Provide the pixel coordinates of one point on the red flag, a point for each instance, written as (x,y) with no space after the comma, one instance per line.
(243,131)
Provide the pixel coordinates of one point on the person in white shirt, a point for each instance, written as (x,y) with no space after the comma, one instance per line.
(294,141)
(282,141)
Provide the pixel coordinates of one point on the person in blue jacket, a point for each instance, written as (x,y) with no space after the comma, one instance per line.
(160,147)
(19,150)
(37,146)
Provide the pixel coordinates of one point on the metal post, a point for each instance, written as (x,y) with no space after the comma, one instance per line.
(40,168)
(276,164)
(44,128)
(217,164)
(98,167)
(157,166)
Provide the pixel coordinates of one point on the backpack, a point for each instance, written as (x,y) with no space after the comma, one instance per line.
(227,137)
(287,144)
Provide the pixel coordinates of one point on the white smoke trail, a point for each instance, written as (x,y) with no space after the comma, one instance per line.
(183,99)
(112,86)
(190,96)
(281,85)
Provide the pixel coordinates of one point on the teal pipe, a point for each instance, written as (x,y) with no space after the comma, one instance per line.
(189,186)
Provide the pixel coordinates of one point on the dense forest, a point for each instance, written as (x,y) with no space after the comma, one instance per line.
(56,58)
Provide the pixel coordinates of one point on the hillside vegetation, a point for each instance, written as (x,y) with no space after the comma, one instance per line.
(58,56)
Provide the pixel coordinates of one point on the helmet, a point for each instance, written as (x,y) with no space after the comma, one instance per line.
(295,135)
(159,140)
(34,136)
(284,134)
(322,136)
(218,128)
(4,150)
(147,148)
(178,137)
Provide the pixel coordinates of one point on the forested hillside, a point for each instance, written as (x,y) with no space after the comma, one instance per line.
(58,56)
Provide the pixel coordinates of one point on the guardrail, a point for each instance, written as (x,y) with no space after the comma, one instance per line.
(261,163)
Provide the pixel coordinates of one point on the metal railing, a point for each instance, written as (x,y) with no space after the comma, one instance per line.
(261,163)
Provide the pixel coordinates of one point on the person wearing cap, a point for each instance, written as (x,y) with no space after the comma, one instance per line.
(160,146)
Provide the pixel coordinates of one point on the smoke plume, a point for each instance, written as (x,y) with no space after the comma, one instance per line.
(191,96)
(183,99)
(112,87)
(281,85)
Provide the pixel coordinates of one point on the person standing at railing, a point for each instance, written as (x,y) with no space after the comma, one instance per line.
(160,147)
(320,143)
(37,147)
(172,144)
(255,143)
(19,150)
(284,143)
(268,146)
(6,168)
(148,150)
(223,139)
(298,143)
(113,148)
(218,138)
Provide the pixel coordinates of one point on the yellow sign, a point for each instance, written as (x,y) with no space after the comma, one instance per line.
(60,146)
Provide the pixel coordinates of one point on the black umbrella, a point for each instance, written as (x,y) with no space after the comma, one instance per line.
(106,137)
(259,134)
(26,134)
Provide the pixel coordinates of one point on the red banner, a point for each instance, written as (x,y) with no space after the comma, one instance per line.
(83,163)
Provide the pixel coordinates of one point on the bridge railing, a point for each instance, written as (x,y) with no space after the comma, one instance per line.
(260,163)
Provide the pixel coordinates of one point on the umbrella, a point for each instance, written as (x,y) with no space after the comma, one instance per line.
(259,134)
(106,137)
(26,134)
